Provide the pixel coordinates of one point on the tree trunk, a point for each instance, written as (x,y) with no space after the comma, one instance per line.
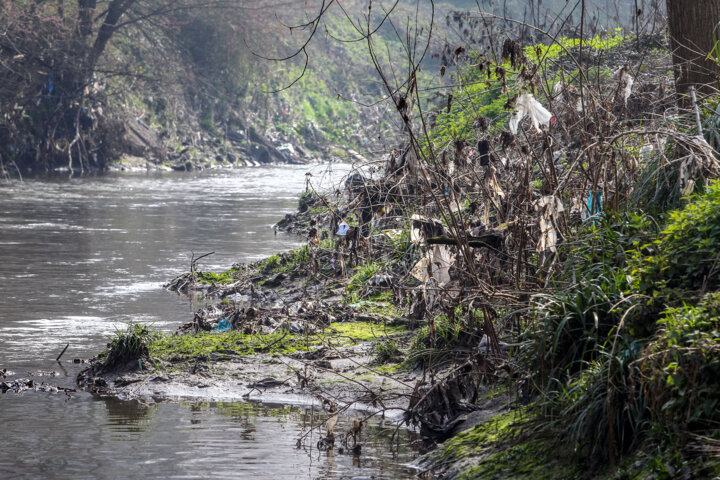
(692,24)
(115,11)
(86,8)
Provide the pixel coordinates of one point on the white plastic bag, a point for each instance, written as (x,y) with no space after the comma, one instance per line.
(526,105)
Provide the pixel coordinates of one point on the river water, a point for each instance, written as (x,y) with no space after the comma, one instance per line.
(79,258)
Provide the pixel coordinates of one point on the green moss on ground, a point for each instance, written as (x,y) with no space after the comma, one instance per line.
(209,278)
(167,347)
(497,449)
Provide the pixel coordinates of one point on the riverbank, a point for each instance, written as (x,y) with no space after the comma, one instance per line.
(319,326)
(302,328)
(523,289)
(79,240)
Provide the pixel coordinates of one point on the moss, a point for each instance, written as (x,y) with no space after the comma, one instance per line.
(478,440)
(228,276)
(281,343)
(380,303)
(392,369)
(366,331)
(532,460)
(496,450)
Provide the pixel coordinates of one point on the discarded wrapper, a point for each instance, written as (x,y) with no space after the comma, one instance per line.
(526,105)
(342,229)
(549,208)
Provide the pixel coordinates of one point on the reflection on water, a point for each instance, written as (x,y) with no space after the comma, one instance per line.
(80,257)
(83,437)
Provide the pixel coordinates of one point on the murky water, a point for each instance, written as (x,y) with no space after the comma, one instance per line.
(78,258)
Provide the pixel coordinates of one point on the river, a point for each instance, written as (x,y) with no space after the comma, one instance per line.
(81,257)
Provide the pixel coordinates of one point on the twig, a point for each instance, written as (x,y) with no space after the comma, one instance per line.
(61,353)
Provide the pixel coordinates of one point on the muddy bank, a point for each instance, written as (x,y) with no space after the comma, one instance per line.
(271,332)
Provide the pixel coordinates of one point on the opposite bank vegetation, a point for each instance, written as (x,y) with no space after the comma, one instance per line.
(568,265)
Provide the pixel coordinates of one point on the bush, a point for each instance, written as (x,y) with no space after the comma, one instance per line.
(363,274)
(128,346)
(682,366)
(573,322)
(437,342)
(682,262)
(601,410)
(386,351)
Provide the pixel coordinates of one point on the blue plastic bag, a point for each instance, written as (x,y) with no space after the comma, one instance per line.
(224,325)
(343,229)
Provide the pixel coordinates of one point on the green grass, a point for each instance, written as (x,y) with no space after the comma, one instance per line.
(131,344)
(284,262)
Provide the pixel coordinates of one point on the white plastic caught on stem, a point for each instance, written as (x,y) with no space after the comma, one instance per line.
(526,105)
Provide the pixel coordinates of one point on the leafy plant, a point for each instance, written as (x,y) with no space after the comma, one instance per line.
(363,273)
(386,351)
(129,345)
(682,262)
(435,342)
(683,365)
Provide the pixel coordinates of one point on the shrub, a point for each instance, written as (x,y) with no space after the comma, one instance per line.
(682,262)
(386,351)
(437,342)
(130,345)
(682,367)
(573,322)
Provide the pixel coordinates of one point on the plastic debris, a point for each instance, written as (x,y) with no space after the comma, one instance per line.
(435,264)
(594,203)
(223,326)
(626,82)
(423,227)
(549,208)
(442,260)
(700,163)
(492,184)
(394,234)
(342,229)
(526,105)
(421,270)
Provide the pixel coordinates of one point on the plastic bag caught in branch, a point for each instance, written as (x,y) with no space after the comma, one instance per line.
(701,163)
(626,82)
(549,208)
(526,105)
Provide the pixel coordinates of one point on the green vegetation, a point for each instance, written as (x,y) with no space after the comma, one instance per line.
(626,356)
(285,262)
(127,346)
(486,90)
(563,45)
(280,343)
(529,460)
(683,261)
(228,276)
(363,273)
(434,343)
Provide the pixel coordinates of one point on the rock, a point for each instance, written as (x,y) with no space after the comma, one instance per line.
(323,364)
(140,140)
(269,322)
(275,280)
(267,382)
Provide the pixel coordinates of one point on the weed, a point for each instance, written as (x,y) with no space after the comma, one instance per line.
(129,345)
